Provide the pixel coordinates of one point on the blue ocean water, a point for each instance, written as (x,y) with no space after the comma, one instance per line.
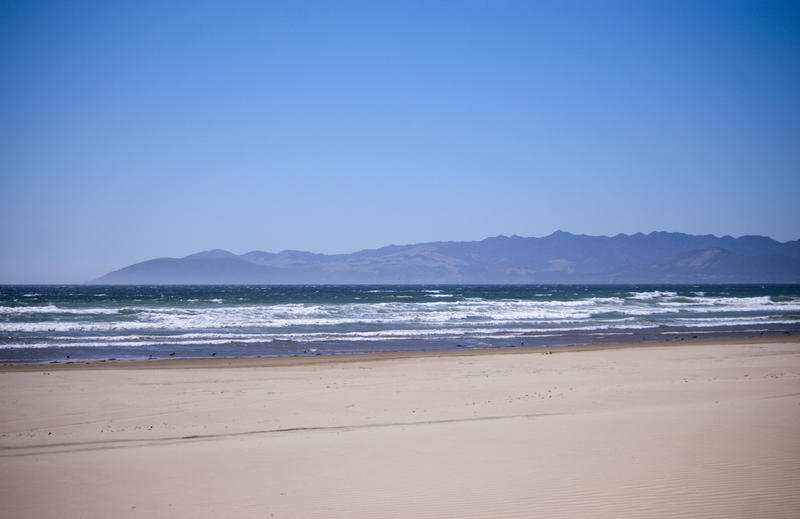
(46,323)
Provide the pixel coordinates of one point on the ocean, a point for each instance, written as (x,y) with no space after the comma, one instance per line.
(56,323)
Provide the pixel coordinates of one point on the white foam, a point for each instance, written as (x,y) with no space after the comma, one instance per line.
(429,313)
(53,309)
(651,295)
(475,317)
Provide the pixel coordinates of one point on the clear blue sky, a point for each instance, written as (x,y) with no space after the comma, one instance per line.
(132,130)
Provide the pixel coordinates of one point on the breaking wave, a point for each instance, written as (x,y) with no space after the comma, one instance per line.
(147,317)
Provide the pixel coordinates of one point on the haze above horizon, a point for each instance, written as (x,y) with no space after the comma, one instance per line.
(154,129)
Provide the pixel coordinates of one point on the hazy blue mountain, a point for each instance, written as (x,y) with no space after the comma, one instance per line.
(562,257)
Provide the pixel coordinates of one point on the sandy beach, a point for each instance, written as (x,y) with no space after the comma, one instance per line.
(697,429)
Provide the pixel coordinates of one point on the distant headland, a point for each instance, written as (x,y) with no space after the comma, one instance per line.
(561,257)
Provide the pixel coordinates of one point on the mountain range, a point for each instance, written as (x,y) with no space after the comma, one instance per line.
(561,257)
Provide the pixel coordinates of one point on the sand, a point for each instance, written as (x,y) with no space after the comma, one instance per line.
(708,429)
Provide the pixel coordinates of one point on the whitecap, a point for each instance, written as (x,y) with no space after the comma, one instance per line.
(651,295)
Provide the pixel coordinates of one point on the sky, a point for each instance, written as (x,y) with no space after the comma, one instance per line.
(134,130)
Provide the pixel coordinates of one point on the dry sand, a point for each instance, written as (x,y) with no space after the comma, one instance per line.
(705,430)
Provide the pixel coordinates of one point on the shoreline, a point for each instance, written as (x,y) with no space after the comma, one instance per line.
(55,326)
(344,358)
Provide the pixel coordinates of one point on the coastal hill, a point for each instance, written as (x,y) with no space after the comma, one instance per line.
(562,257)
